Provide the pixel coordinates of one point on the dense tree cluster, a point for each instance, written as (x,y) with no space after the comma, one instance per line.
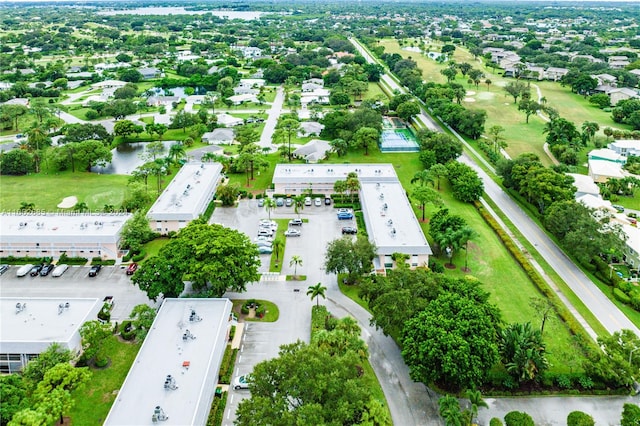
(213,258)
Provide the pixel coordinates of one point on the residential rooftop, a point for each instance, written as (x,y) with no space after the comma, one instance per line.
(188,194)
(55,227)
(186,341)
(321,173)
(391,222)
(30,325)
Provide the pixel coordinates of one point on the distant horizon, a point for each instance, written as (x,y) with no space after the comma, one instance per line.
(178,3)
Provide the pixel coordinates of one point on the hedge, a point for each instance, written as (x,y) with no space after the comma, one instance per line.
(582,338)
(226,367)
(15,260)
(621,296)
(127,331)
(217,410)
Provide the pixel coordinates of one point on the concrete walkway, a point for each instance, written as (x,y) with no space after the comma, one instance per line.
(272,120)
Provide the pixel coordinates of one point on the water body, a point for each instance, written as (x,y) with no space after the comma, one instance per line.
(127,157)
(229,14)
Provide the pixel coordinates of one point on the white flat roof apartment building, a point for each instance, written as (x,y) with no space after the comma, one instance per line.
(51,234)
(29,326)
(391,223)
(175,373)
(186,197)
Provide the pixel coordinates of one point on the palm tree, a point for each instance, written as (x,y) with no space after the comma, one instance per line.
(450,410)
(353,185)
(423,176)
(315,291)
(465,234)
(475,398)
(340,187)
(438,171)
(450,242)
(295,261)
(269,205)
(298,204)
(278,244)
(177,151)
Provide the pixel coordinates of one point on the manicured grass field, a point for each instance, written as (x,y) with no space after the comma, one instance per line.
(93,402)
(46,191)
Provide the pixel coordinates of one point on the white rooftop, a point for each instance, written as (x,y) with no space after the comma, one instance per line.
(596,202)
(294,173)
(605,168)
(51,227)
(164,352)
(607,154)
(633,237)
(584,184)
(188,194)
(42,322)
(391,222)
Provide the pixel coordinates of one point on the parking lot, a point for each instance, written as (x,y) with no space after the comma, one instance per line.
(261,341)
(75,283)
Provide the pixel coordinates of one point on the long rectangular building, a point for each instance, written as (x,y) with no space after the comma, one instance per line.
(174,375)
(29,326)
(50,234)
(186,197)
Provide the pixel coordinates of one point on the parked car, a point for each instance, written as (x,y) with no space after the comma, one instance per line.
(288,202)
(265,250)
(619,208)
(327,200)
(59,270)
(24,270)
(263,232)
(345,215)
(95,269)
(46,269)
(132,268)
(307,201)
(317,202)
(266,239)
(292,233)
(263,243)
(35,270)
(349,230)
(260,202)
(3,268)
(279,202)
(344,211)
(295,222)
(241,382)
(268,224)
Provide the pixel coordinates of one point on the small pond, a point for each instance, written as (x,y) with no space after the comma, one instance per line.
(127,157)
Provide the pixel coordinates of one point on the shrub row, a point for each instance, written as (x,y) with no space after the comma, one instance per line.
(127,331)
(575,327)
(217,410)
(232,332)
(101,261)
(13,260)
(362,227)
(72,260)
(209,211)
(226,367)
(319,316)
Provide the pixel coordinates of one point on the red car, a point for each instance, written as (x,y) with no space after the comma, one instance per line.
(132,268)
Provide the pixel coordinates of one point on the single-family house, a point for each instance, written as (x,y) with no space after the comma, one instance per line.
(632,246)
(310,87)
(109,84)
(625,147)
(584,185)
(603,170)
(240,99)
(310,128)
(606,80)
(162,100)
(227,120)
(219,136)
(555,73)
(150,72)
(245,90)
(621,93)
(607,154)
(249,51)
(313,151)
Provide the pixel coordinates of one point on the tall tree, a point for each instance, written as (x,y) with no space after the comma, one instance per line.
(425,195)
(295,262)
(366,137)
(352,257)
(317,291)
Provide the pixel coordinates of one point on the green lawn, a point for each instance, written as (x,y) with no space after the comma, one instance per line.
(93,402)
(153,247)
(46,191)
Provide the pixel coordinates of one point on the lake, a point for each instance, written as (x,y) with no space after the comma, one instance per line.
(127,157)
(230,14)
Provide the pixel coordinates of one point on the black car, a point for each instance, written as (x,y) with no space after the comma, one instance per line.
(35,270)
(46,269)
(295,222)
(94,270)
(349,230)
(3,268)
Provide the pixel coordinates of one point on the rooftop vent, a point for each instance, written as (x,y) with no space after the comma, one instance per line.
(390,222)
(20,307)
(170,383)
(23,224)
(393,232)
(188,335)
(159,415)
(193,317)
(381,196)
(39,225)
(62,307)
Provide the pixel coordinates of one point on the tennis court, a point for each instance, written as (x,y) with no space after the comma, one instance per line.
(398,140)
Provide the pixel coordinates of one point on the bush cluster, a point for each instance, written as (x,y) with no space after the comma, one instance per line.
(226,367)
(217,410)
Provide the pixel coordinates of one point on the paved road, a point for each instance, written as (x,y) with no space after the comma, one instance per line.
(272,119)
(410,403)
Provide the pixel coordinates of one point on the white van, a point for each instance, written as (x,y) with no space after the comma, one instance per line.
(24,270)
(60,269)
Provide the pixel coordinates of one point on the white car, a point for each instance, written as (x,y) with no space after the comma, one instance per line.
(263,232)
(317,202)
(292,233)
(268,223)
(265,239)
(307,201)
(59,270)
(24,270)
(241,382)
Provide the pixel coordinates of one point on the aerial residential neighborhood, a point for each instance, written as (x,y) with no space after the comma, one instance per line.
(279,213)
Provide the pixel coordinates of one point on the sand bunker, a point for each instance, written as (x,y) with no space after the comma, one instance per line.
(68,202)
(485,95)
(471,93)
(469,100)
